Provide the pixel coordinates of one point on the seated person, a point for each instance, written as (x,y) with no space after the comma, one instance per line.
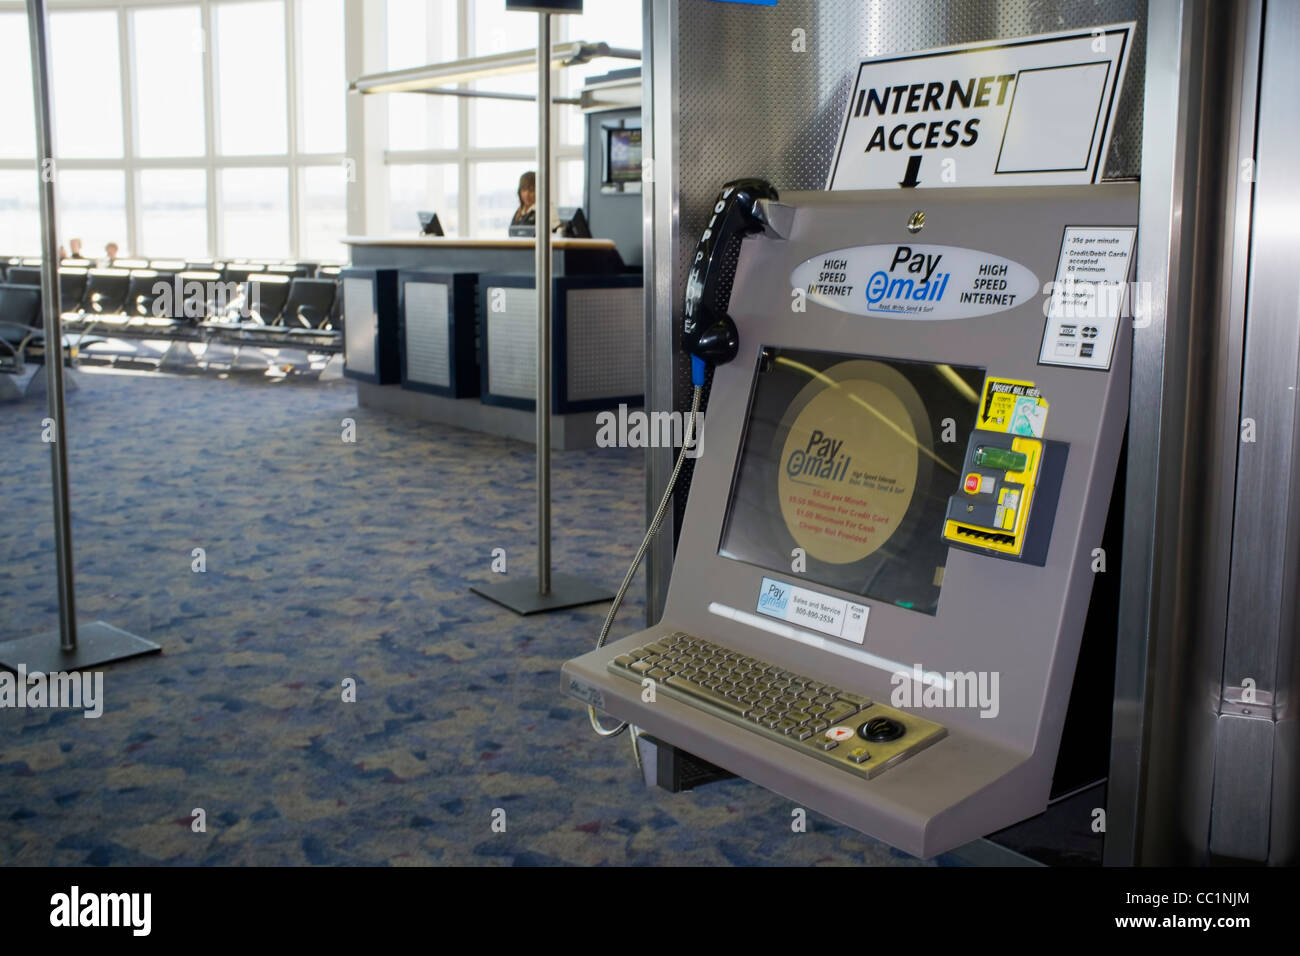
(526,214)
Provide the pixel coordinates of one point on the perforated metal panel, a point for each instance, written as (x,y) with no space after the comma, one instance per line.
(361,323)
(750,106)
(512,342)
(605,343)
(428,337)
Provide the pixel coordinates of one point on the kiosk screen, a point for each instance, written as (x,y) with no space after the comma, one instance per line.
(851,459)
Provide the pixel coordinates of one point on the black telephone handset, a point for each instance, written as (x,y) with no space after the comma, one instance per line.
(708,333)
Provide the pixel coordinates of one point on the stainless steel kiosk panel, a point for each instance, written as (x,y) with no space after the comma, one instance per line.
(1012,624)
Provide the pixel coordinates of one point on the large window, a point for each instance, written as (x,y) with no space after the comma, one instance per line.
(176,120)
(173,213)
(20,222)
(183,129)
(425,132)
(87,84)
(19,139)
(167,59)
(255,211)
(92,207)
(251,91)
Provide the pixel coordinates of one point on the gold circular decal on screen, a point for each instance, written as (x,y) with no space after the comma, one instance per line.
(848,470)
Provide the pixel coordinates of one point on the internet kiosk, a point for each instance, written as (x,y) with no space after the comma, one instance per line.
(882,576)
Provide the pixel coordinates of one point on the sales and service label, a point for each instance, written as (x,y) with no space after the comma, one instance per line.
(915,281)
(817,612)
(1030,111)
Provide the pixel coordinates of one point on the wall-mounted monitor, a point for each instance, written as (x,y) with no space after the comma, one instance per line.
(622,154)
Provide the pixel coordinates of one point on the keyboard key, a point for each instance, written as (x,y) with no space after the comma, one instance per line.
(685,686)
(839,712)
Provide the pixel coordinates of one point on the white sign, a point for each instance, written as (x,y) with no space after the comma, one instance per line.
(1031,111)
(817,612)
(1087,295)
(914,281)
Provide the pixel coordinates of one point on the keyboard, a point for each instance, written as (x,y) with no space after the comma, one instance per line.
(817,719)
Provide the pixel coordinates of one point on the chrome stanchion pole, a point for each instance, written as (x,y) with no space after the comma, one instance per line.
(37,24)
(100,642)
(548,592)
(543,273)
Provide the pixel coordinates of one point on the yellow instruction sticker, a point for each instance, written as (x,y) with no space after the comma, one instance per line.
(1012,406)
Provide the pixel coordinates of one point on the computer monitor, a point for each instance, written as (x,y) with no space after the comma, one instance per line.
(573,224)
(430,224)
(622,156)
(842,456)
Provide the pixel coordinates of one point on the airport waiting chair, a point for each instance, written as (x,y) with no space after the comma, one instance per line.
(240,271)
(24,274)
(142,291)
(309,303)
(72,289)
(20,324)
(22,332)
(259,301)
(336,311)
(304,315)
(72,283)
(266,297)
(104,302)
(294,270)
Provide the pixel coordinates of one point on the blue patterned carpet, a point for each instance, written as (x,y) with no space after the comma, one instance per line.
(328,560)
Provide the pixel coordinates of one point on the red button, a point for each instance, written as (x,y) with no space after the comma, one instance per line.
(972,483)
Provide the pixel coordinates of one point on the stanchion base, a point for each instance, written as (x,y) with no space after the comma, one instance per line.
(97,643)
(520,594)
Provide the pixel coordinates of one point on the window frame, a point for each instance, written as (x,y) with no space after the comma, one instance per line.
(131,163)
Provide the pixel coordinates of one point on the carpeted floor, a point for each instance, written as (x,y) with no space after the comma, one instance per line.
(325,561)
